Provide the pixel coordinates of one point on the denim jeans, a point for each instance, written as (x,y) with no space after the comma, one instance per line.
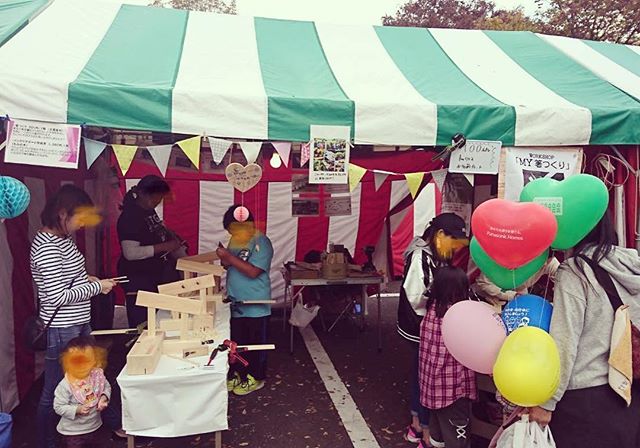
(57,340)
(414,384)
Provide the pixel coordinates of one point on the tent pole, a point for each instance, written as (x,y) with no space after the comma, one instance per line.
(636,173)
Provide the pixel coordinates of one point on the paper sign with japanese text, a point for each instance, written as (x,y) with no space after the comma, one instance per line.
(476,157)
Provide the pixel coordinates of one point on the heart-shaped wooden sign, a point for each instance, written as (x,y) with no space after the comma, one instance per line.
(243,178)
(513,233)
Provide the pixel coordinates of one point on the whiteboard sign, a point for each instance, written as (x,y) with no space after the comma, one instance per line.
(477,157)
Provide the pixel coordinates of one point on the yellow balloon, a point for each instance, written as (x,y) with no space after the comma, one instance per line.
(527,370)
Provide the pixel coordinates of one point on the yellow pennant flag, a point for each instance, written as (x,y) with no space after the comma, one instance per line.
(125,155)
(191,148)
(414,180)
(356,173)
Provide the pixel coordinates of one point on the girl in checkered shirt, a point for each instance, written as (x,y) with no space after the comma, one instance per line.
(447,388)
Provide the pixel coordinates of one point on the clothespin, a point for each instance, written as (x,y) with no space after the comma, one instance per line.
(457,142)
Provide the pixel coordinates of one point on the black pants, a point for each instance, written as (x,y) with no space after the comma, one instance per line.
(450,426)
(246,331)
(596,417)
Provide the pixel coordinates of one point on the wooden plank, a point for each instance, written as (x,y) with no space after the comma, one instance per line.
(172,346)
(114,331)
(190,285)
(206,257)
(203,350)
(199,268)
(171,325)
(251,348)
(169,303)
(145,354)
(151,320)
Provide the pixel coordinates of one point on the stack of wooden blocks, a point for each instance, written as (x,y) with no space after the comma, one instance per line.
(192,303)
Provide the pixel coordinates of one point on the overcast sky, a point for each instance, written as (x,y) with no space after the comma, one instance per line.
(340,11)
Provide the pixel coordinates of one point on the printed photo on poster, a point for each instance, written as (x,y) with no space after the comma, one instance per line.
(337,206)
(305,207)
(43,144)
(300,184)
(522,165)
(329,162)
(457,197)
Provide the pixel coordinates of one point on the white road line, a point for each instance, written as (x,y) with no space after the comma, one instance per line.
(359,433)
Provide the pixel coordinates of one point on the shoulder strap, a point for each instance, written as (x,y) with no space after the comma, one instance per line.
(605,281)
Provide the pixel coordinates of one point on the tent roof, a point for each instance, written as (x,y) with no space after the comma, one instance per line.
(135,67)
(14,14)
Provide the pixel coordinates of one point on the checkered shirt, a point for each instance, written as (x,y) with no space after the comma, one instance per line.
(443,380)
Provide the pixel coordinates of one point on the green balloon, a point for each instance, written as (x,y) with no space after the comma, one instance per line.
(579,202)
(503,277)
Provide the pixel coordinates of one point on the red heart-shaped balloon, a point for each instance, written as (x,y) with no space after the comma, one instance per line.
(513,233)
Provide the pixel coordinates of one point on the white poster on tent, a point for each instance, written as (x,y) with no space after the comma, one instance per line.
(329,154)
(522,165)
(44,144)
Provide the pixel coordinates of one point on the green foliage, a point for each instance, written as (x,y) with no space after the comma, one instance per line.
(220,6)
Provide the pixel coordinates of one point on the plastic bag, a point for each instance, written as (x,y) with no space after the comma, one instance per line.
(526,434)
(302,315)
(5,430)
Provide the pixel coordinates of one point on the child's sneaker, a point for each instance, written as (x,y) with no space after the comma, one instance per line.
(233,382)
(248,386)
(412,435)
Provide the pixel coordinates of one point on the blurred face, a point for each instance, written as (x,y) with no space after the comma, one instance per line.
(82,217)
(150,201)
(241,233)
(78,362)
(446,245)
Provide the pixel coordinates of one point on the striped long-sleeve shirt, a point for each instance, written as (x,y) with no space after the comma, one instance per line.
(58,269)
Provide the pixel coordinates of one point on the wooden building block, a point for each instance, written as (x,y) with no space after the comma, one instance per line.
(203,350)
(172,325)
(145,354)
(173,346)
(207,257)
(169,303)
(199,268)
(190,285)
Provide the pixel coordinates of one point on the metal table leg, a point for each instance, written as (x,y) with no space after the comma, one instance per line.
(219,439)
(131,441)
(379,321)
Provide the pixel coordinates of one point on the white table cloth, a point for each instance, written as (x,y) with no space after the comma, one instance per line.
(179,398)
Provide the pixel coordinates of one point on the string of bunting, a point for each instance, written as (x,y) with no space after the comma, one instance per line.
(161,154)
(414,180)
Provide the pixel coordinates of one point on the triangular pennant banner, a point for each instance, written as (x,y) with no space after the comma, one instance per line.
(191,148)
(219,148)
(439,176)
(356,173)
(92,150)
(284,149)
(414,180)
(251,150)
(304,153)
(470,178)
(378,178)
(161,155)
(125,155)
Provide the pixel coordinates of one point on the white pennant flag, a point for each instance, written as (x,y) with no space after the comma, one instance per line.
(284,149)
(470,178)
(161,155)
(251,150)
(379,177)
(439,176)
(219,148)
(92,150)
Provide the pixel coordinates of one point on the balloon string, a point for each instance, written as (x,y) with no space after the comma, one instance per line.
(546,291)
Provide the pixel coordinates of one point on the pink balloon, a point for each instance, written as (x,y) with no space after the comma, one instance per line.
(473,333)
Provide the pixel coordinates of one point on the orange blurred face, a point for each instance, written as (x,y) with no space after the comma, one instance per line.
(241,233)
(82,217)
(447,245)
(78,363)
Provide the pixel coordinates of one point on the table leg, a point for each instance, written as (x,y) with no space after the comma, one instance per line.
(284,308)
(219,439)
(379,322)
(291,326)
(363,307)
(131,441)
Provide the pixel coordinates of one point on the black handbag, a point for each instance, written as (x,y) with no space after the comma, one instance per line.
(35,331)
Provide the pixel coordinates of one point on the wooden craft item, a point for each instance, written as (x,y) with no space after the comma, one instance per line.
(334,266)
(166,302)
(145,354)
(188,286)
(203,350)
(243,178)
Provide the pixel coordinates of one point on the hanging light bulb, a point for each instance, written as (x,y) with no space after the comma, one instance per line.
(276,161)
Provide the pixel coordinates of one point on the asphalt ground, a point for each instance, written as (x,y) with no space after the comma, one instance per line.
(294,409)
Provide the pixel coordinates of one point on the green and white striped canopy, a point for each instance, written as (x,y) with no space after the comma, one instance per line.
(135,67)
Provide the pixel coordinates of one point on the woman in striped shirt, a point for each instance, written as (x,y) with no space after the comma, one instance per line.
(58,269)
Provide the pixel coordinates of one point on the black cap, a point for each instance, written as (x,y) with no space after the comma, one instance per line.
(451,224)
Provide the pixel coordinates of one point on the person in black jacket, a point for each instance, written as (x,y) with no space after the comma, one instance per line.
(149,249)
(445,234)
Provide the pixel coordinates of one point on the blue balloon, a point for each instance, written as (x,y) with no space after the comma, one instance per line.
(14,197)
(528,310)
